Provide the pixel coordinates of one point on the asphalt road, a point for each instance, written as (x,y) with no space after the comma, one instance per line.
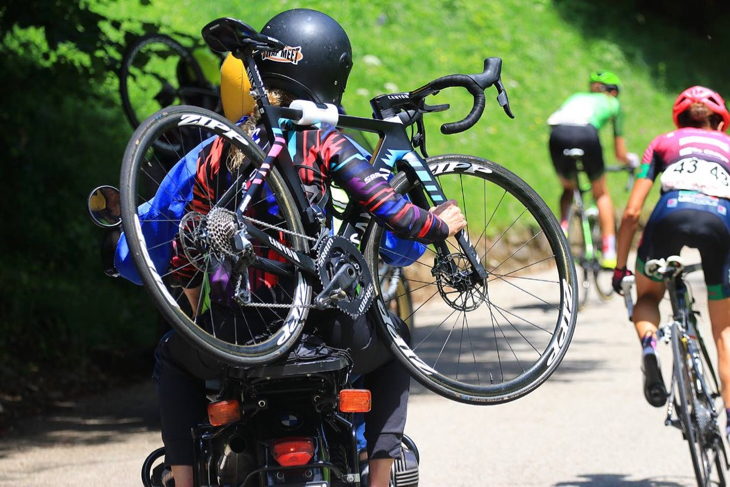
(588,425)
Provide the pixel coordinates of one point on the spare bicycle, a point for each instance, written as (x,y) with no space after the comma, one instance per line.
(695,403)
(499,297)
(158,71)
(584,232)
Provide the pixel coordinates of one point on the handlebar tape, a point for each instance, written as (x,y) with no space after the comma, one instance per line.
(479,101)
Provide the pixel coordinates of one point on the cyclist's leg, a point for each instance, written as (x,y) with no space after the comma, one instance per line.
(594,166)
(560,139)
(605,216)
(713,241)
(386,378)
(719,311)
(661,238)
(656,242)
(646,311)
(566,199)
(180,371)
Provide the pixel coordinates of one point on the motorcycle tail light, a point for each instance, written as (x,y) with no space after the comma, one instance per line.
(355,401)
(221,413)
(293,452)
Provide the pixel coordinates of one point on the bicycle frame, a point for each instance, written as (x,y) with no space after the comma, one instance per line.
(394,150)
(684,323)
(691,367)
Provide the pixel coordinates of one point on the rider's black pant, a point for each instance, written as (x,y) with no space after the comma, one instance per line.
(181,371)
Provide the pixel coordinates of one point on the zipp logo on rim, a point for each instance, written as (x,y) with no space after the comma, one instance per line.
(562,332)
(463,167)
(298,315)
(400,343)
(209,123)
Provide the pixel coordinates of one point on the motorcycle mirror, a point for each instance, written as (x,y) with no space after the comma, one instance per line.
(104,206)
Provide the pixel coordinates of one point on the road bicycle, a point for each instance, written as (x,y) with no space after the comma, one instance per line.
(584,232)
(499,296)
(158,71)
(694,403)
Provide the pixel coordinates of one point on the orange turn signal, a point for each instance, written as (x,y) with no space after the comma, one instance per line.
(355,401)
(224,412)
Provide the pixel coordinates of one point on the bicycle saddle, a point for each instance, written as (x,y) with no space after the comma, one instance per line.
(228,34)
(575,152)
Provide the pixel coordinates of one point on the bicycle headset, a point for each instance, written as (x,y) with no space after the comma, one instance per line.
(705,96)
(317,61)
(606,78)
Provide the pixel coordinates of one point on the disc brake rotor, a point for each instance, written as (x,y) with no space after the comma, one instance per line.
(456,285)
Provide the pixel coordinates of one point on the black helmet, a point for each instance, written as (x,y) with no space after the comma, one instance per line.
(317,60)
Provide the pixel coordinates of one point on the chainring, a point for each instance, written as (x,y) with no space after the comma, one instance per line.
(333,253)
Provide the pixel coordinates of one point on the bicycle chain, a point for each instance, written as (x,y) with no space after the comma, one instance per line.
(279,229)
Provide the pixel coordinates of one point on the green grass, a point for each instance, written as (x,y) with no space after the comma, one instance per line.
(548,49)
(61,144)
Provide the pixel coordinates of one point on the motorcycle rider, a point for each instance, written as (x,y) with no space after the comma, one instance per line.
(321,154)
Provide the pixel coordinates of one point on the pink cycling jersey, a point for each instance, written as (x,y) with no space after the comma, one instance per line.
(690,159)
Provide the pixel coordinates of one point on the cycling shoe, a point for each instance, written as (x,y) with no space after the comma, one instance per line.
(654,389)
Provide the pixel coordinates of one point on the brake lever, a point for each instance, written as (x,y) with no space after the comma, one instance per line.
(502,98)
(435,108)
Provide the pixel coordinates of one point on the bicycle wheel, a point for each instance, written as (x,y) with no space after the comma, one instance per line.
(158,72)
(234,331)
(698,414)
(396,292)
(601,276)
(492,341)
(577,242)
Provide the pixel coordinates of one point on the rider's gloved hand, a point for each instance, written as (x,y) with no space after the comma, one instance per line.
(618,276)
(633,160)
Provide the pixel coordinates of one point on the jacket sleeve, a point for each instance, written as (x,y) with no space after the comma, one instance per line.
(351,170)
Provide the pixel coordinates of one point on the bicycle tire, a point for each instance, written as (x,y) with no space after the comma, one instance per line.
(156,56)
(713,388)
(602,277)
(579,251)
(699,427)
(541,335)
(152,459)
(141,176)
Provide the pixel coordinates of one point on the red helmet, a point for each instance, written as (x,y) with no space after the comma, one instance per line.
(700,94)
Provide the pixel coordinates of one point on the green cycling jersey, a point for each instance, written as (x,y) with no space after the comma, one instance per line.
(590,108)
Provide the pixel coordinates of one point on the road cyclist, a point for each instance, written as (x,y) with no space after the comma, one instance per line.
(576,125)
(693,167)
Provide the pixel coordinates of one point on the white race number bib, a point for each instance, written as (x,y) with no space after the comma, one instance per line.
(693,174)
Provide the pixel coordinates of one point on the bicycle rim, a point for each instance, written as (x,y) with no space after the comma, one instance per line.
(699,426)
(499,339)
(712,400)
(576,240)
(602,277)
(241,335)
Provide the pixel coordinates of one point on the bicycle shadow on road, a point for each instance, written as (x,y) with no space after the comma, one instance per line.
(91,421)
(611,480)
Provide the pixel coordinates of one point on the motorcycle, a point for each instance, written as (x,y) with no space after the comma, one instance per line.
(294,422)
